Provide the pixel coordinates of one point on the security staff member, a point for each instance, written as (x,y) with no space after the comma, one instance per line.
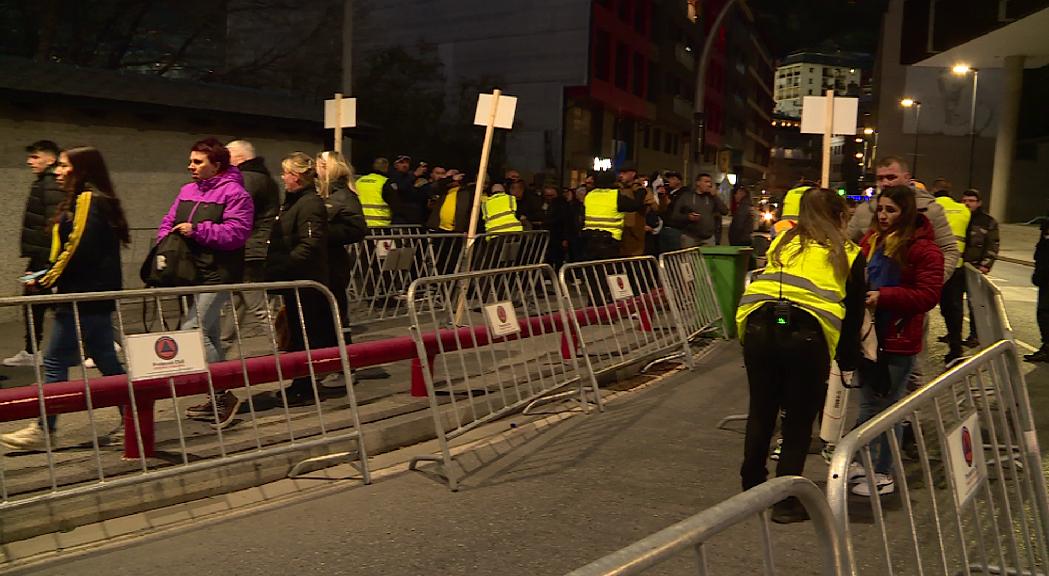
(375,191)
(500,212)
(805,309)
(604,209)
(788,217)
(952,296)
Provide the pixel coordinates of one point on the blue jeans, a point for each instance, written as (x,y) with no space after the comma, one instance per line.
(871,403)
(210,306)
(63,349)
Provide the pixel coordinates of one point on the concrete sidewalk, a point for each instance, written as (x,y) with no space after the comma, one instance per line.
(1017,243)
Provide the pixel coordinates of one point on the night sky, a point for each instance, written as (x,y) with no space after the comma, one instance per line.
(790,25)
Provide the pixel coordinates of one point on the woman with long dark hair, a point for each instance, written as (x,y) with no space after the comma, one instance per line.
(804,310)
(87,234)
(904,278)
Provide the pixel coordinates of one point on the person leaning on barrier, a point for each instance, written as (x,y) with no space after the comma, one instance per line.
(500,212)
(953,295)
(88,232)
(252,316)
(346,223)
(806,308)
(604,212)
(376,193)
(299,251)
(44,197)
(904,281)
(981,249)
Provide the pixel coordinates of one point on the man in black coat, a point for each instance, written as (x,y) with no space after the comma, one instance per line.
(45,195)
(1040,278)
(265,195)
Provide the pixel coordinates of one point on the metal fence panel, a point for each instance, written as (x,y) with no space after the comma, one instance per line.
(969,497)
(686,277)
(96,448)
(492,350)
(622,311)
(693,533)
(992,323)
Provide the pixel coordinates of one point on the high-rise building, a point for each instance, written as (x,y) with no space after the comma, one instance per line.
(812,74)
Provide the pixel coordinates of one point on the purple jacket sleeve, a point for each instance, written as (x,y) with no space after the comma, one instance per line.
(169,220)
(232,233)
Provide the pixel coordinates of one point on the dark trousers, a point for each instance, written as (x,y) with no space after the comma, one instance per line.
(952,311)
(317,319)
(787,368)
(37,310)
(1042,314)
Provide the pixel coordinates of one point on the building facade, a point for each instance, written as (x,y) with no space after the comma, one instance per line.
(812,74)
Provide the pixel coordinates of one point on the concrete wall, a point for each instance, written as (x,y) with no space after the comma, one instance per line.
(543,45)
(147,159)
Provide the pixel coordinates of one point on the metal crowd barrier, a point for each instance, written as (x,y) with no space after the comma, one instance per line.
(167,373)
(623,312)
(492,350)
(694,533)
(686,277)
(992,323)
(970,499)
(386,262)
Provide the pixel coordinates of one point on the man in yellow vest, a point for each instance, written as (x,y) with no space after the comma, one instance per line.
(375,192)
(952,297)
(604,213)
(500,212)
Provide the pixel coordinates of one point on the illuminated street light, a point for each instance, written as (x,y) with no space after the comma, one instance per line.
(868,131)
(962,70)
(908,102)
(859,155)
(917,105)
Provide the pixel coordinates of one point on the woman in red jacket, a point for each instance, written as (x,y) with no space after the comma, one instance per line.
(904,277)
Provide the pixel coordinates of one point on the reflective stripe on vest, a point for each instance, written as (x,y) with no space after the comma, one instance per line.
(958,216)
(369,189)
(601,212)
(808,281)
(500,214)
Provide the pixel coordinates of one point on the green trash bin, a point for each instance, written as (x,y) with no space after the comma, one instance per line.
(728,267)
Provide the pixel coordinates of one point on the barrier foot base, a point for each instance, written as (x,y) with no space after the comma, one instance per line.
(677,356)
(731,418)
(453,483)
(569,394)
(353,457)
(996,570)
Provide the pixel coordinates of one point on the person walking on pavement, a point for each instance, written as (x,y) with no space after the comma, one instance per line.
(1040,278)
(695,213)
(981,249)
(44,197)
(376,194)
(89,229)
(604,212)
(804,310)
(250,307)
(953,294)
(904,278)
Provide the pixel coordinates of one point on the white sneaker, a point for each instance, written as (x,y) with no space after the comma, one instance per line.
(777,450)
(23,358)
(29,438)
(855,473)
(882,482)
(90,362)
(336,380)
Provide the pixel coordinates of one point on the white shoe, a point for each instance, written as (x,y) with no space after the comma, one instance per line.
(23,358)
(90,362)
(336,380)
(29,438)
(883,483)
(855,473)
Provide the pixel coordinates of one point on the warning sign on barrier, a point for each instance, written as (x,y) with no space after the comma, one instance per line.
(164,354)
(686,272)
(968,468)
(502,320)
(620,286)
(383,247)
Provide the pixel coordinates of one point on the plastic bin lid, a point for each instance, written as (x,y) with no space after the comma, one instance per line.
(726,250)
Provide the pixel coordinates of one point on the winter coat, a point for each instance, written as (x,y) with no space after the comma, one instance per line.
(861,221)
(44,197)
(742,226)
(265,196)
(1040,276)
(298,248)
(222,214)
(406,204)
(88,253)
(346,226)
(921,280)
(463,206)
(981,240)
(709,206)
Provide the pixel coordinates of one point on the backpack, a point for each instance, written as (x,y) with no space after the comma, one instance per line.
(169,263)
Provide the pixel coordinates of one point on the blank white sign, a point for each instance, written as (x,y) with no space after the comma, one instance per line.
(349,113)
(504,112)
(814,115)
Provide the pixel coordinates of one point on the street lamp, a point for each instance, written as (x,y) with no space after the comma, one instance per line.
(962,70)
(917,105)
(874,149)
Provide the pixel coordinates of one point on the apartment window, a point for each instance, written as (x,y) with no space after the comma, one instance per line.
(640,22)
(601,55)
(653,82)
(639,75)
(657,137)
(646,136)
(677,144)
(668,143)
(622,65)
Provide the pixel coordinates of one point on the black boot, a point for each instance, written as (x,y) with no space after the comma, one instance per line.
(1042,355)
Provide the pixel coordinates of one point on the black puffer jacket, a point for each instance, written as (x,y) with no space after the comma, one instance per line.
(266,197)
(298,246)
(44,197)
(346,225)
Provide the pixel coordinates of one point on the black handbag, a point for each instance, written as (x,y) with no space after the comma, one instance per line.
(169,263)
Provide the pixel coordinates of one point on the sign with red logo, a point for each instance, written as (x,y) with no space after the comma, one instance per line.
(502,319)
(965,452)
(383,247)
(165,354)
(619,285)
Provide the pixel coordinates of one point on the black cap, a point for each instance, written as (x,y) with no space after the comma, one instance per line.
(628,166)
(403,158)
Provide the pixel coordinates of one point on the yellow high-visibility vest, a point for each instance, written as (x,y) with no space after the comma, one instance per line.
(792,203)
(369,189)
(807,280)
(500,214)
(958,216)
(601,212)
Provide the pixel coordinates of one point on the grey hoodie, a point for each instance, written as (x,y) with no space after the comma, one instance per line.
(861,222)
